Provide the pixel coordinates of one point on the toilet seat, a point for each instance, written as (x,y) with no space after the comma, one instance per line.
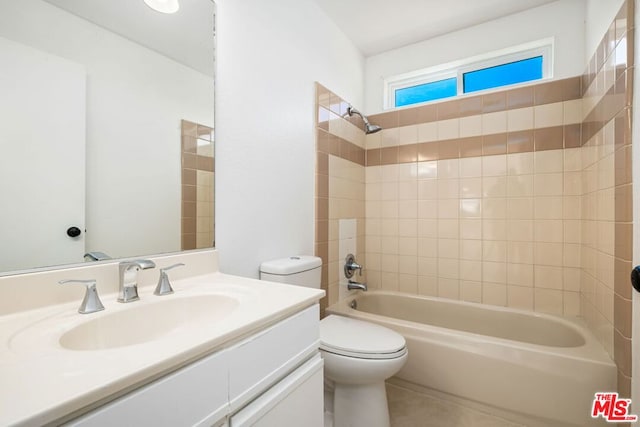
(358,339)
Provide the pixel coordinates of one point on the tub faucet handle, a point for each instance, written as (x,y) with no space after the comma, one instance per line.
(350,266)
(91,302)
(164,286)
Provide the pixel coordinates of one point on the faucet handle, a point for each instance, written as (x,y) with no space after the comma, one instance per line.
(164,287)
(91,302)
(350,266)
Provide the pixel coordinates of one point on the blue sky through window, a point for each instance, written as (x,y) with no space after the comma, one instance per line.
(503,75)
(426,92)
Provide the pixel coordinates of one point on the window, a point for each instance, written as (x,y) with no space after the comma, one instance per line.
(426,92)
(516,65)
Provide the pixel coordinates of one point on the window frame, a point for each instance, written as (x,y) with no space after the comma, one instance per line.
(457,69)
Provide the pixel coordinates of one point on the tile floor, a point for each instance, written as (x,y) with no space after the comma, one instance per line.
(412,409)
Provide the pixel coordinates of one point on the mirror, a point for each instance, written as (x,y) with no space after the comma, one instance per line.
(107,133)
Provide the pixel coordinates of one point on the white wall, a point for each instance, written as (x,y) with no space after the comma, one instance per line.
(563,20)
(135,100)
(598,16)
(268,56)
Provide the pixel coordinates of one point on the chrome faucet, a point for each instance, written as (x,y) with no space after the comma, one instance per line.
(91,302)
(96,256)
(353,286)
(164,287)
(128,290)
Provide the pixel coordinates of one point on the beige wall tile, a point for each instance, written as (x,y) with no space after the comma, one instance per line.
(519,186)
(427,170)
(448,208)
(520,230)
(494,186)
(470,188)
(520,252)
(494,208)
(548,115)
(546,230)
(494,165)
(573,160)
(572,111)
(494,123)
(471,291)
(548,161)
(448,229)
(548,184)
(471,167)
(520,274)
(494,250)
(448,188)
(427,132)
(520,163)
(520,297)
(494,294)
(470,126)
(448,288)
(389,137)
(471,249)
(471,208)
(471,228)
(520,119)
(548,254)
(448,129)
(520,208)
(449,168)
(548,301)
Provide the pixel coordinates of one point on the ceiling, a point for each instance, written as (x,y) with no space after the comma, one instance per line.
(185,36)
(375,26)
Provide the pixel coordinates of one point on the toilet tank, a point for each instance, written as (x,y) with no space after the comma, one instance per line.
(300,270)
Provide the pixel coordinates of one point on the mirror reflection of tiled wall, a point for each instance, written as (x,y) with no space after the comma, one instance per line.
(198,171)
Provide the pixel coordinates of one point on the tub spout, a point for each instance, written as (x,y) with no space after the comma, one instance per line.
(356,286)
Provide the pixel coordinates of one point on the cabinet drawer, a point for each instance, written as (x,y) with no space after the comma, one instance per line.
(295,401)
(265,358)
(193,395)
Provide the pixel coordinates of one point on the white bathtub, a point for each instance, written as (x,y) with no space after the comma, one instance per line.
(526,363)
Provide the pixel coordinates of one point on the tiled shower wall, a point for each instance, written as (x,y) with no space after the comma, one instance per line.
(518,198)
(478,199)
(198,170)
(340,186)
(606,197)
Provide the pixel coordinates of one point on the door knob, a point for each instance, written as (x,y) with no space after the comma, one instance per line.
(635,278)
(73,231)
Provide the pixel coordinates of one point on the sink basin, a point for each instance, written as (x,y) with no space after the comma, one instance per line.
(148,322)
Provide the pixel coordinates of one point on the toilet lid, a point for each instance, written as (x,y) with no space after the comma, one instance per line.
(355,338)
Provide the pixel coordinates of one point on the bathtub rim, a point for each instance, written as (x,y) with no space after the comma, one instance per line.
(591,350)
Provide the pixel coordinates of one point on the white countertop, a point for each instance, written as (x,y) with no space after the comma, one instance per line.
(43,382)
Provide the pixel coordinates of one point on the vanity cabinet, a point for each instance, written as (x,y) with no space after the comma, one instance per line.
(273,377)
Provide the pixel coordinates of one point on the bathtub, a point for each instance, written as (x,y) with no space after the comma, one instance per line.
(531,365)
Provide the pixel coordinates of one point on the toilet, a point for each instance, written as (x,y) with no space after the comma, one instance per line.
(358,356)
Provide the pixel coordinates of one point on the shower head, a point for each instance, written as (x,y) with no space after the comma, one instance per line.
(368,127)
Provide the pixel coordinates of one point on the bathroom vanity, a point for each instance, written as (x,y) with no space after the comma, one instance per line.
(221,350)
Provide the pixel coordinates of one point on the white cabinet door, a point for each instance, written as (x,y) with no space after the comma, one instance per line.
(271,354)
(192,396)
(297,400)
(42,157)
